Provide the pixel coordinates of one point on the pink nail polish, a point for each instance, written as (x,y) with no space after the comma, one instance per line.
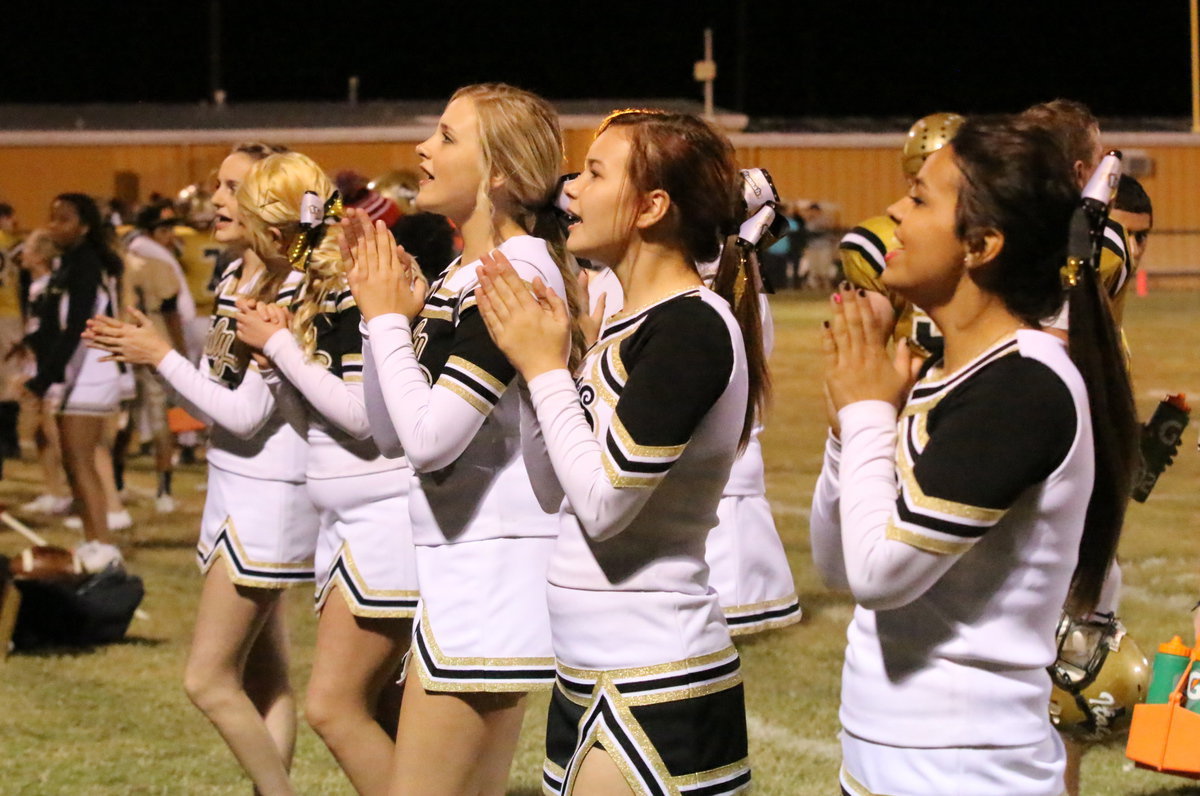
(837,298)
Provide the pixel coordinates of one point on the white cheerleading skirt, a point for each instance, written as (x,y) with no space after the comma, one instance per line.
(748,567)
(265,531)
(483,624)
(91,387)
(870,769)
(364,546)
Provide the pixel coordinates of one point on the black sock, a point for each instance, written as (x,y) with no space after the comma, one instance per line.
(164,483)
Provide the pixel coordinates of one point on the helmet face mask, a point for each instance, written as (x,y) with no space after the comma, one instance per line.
(1099,676)
(926,136)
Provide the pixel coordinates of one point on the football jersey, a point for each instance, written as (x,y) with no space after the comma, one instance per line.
(198,254)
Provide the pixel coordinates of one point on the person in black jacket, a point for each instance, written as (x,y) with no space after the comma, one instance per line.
(81,384)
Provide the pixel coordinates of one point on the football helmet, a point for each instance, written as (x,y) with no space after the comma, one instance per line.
(400,186)
(1099,676)
(928,135)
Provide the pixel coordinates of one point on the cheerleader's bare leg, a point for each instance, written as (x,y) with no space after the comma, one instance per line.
(229,620)
(356,657)
(104,464)
(49,449)
(599,776)
(80,436)
(484,727)
(267,684)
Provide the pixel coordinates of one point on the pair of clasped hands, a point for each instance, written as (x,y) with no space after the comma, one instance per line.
(529,323)
(858,366)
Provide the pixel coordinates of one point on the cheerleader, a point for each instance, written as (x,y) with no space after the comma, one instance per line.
(747,564)
(649,693)
(961,531)
(85,389)
(37,260)
(366,577)
(257,517)
(440,392)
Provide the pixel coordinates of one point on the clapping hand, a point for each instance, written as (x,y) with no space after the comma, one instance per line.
(529,323)
(383,277)
(257,321)
(138,343)
(858,366)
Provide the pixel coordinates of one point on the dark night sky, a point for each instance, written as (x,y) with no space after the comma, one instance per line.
(831,58)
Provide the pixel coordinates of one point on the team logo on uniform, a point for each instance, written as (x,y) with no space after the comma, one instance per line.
(218,349)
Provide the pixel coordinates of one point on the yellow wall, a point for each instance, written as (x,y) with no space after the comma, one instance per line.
(860,181)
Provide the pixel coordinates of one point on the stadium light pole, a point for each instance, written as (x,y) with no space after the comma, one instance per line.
(706,72)
(215,93)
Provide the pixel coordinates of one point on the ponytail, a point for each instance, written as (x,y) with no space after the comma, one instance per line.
(1095,347)
(739,281)
(548,225)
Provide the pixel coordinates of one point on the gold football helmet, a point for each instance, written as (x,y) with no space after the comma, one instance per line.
(400,186)
(927,136)
(1099,676)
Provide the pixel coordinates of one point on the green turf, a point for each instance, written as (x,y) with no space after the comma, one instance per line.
(115,720)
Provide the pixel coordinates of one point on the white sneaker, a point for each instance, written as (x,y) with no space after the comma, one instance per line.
(47,504)
(117,521)
(164,504)
(98,556)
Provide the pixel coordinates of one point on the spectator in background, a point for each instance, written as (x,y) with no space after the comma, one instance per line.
(152,287)
(777,262)
(155,240)
(357,193)
(1133,210)
(11,326)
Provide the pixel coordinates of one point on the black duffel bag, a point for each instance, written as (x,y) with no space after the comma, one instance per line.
(96,610)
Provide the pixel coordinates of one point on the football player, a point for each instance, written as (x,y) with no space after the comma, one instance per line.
(865,249)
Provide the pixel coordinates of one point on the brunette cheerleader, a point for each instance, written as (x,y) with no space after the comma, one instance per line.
(957,509)
(649,693)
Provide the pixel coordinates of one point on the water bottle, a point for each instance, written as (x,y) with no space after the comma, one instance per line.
(1169,665)
(1191,692)
(1160,441)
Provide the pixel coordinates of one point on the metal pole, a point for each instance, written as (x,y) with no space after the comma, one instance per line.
(215,94)
(1195,67)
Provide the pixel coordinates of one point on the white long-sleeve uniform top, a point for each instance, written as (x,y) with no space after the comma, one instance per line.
(747,476)
(255,431)
(642,445)
(330,383)
(957,531)
(438,394)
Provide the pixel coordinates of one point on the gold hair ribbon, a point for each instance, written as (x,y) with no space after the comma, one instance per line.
(1070,272)
(314,219)
(741,277)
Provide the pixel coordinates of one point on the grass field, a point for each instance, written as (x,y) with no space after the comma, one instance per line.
(114,720)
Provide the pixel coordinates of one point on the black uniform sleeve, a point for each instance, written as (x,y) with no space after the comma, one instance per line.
(78,279)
